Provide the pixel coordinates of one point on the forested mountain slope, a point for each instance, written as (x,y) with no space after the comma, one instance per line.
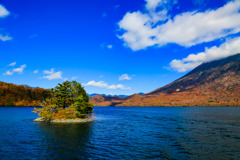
(20,95)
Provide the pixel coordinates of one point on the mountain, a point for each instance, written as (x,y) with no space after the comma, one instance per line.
(101,100)
(107,95)
(219,72)
(25,85)
(215,83)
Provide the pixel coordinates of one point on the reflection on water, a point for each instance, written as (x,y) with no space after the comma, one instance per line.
(66,141)
(125,133)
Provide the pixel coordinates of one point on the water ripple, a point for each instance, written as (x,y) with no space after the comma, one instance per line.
(124,133)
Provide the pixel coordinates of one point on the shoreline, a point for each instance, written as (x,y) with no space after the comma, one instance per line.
(123,106)
(84,120)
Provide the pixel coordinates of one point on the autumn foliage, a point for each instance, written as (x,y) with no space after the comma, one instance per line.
(18,95)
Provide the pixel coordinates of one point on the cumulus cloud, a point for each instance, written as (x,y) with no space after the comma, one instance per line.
(49,72)
(102,84)
(36,71)
(124,77)
(12,64)
(52,74)
(9,73)
(158,5)
(155,28)
(153,4)
(228,48)
(119,86)
(3,12)
(15,70)
(138,31)
(20,69)
(97,84)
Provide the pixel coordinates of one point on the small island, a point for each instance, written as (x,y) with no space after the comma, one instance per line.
(69,103)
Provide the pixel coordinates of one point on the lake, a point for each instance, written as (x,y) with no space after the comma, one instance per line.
(124,133)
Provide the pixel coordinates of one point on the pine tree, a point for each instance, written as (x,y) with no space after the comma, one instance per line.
(62,94)
(81,100)
(73,94)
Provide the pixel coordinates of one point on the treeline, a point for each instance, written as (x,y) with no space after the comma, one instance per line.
(18,95)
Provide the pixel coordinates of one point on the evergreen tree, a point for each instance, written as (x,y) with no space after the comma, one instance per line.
(62,94)
(81,100)
(72,94)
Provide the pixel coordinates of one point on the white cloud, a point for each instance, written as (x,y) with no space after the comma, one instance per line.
(181,66)
(5,38)
(8,73)
(102,84)
(97,84)
(57,75)
(15,70)
(36,71)
(152,4)
(20,69)
(228,48)
(138,31)
(52,74)
(12,64)
(119,86)
(124,77)
(3,12)
(49,72)
(142,30)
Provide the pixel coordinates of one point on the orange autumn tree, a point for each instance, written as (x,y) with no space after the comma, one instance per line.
(21,95)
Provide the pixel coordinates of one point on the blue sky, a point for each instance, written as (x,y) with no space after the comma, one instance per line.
(113,46)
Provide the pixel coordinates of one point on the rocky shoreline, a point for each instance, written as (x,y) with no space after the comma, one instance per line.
(84,120)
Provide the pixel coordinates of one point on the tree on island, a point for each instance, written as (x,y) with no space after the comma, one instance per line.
(62,94)
(69,101)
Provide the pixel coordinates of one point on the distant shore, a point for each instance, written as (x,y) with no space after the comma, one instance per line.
(83,120)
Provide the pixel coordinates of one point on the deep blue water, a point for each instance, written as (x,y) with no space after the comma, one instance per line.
(124,133)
